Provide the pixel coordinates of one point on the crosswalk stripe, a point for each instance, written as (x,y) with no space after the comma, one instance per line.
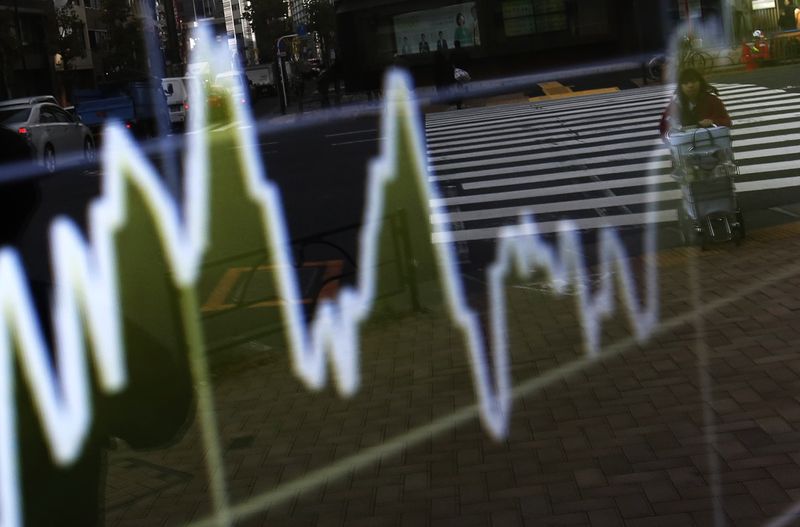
(615,116)
(496,113)
(532,113)
(548,227)
(576,156)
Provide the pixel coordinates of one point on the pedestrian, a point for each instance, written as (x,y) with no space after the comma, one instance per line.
(695,103)
(787,21)
(460,61)
(300,71)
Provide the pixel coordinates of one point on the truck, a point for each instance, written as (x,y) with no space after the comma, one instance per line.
(262,80)
(138,105)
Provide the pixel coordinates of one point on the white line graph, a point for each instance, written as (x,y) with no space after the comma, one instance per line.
(86,291)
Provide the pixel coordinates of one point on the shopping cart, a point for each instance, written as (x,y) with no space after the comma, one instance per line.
(704,168)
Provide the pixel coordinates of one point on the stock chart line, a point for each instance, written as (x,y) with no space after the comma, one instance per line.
(86,300)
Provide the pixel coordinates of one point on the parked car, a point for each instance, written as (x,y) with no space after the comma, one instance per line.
(51,132)
(28,101)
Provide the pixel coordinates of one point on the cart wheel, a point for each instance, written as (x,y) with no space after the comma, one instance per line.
(740,219)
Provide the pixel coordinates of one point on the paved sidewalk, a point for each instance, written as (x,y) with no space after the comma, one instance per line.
(704,417)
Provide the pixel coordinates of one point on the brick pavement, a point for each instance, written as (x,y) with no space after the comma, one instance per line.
(623,440)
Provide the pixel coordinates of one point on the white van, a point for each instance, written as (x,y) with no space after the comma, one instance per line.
(177,91)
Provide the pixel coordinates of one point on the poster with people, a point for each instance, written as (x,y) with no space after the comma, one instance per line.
(434,29)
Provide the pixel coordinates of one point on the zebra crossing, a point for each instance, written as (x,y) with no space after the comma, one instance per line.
(596,160)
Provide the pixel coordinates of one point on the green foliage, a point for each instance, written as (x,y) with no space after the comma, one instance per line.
(322,17)
(70,42)
(270,21)
(125,58)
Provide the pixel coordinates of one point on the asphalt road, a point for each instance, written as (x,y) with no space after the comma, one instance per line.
(321,171)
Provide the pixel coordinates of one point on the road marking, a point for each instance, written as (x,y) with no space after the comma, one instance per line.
(219,298)
(372,140)
(371,130)
(549,227)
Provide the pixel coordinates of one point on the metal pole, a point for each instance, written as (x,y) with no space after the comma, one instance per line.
(280,67)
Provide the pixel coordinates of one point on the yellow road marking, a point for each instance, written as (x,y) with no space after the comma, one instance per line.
(218,299)
(570,93)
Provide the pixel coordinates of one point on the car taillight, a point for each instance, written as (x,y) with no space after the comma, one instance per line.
(23,130)
(128,125)
(185,106)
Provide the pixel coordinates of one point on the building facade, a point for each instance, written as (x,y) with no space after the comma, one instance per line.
(501,37)
(27,47)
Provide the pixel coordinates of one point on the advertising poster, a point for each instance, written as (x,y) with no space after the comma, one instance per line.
(763,4)
(432,29)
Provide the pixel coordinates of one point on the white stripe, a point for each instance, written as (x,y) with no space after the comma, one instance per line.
(661,216)
(550,154)
(582,102)
(623,105)
(609,118)
(561,206)
(652,120)
(619,220)
(368,131)
(617,109)
(628,156)
(539,178)
(648,132)
(598,134)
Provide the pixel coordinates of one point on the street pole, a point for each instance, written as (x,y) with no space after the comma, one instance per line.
(280,68)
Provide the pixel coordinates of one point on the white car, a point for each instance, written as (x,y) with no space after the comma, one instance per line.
(54,134)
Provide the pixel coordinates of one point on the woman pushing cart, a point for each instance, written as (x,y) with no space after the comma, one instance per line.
(696,126)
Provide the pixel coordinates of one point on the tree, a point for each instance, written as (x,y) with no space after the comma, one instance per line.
(125,57)
(70,42)
(270,21)
(9,49)
(321,17)
(322,20)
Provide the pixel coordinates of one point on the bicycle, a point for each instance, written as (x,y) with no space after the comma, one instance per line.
(688,57)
